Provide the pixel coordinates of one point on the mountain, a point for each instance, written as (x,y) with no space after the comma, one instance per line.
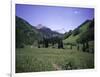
(47,32)
(27,34)
(39,26)
(83,32)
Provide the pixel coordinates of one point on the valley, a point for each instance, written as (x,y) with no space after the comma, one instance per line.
(41,49)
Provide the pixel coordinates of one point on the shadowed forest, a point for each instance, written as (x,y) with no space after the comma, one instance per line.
(42,49)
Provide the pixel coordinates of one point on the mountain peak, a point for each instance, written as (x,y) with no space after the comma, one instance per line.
(40,26)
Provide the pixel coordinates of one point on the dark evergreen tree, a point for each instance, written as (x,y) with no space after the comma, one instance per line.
(67,34)
(78,47)
(87,47)
(38,44)
(70,46)
(76,32)
(45,42)
(60,43)
(83,47)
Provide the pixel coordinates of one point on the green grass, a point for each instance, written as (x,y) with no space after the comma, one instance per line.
(84,27)
(43,59)
(72,39)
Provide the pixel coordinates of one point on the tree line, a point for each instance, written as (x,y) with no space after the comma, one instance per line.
(53,40)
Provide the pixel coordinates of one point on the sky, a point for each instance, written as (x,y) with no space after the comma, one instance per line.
(57,18)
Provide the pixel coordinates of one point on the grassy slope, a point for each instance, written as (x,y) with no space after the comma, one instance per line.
(72,39)
(47,59)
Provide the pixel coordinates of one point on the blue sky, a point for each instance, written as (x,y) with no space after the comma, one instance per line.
(54,17)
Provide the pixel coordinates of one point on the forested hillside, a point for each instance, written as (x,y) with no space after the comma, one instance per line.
(27,34)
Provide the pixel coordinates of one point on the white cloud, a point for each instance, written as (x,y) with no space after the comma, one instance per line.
(76,12)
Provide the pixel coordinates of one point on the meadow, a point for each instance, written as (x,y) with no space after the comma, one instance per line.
(33,59)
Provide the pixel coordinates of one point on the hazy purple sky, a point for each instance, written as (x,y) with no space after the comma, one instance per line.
(54,17)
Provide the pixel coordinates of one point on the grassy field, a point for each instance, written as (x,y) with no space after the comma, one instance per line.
(33,59)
